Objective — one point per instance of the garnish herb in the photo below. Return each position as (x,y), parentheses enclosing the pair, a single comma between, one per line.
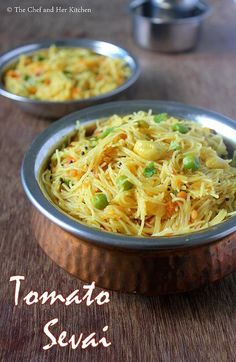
(158,118)
(175,146)
(150,170)
(107,132)
(180,127)
(67,182)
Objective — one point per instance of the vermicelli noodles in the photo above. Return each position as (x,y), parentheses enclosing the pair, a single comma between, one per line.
(63,74)
(145,175)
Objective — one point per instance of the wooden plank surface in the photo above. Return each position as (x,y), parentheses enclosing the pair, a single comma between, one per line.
(197,326)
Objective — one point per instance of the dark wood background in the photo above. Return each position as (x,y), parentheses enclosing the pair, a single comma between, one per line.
(197,326)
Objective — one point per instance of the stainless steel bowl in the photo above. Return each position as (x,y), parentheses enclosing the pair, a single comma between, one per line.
(51,109)
(166,30)
(45,144)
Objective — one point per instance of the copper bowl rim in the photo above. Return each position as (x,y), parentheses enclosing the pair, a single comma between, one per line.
(43,146)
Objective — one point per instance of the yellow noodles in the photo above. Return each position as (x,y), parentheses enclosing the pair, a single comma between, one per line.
(62,74)
(144,174)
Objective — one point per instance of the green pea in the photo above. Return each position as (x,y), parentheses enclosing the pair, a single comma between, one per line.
(175,146)
(26,77)
(191,162)
(158,118)
(67,73)
(99,201)
(124,184)
(40,57)
(150,170)
(180,127)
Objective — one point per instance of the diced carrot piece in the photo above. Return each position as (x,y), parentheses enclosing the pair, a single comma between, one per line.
(75,91)
(13,74)
(32,90)
(47,81)
(74,173)
(38,71)
(120,80)
(99,77)
(178,183)
(90,64)
(182,195)
(170,208)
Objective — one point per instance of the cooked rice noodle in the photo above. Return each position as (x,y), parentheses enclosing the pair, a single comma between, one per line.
(62,74)
(165,198)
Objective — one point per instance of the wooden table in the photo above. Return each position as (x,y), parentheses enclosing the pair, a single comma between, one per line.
(197,326)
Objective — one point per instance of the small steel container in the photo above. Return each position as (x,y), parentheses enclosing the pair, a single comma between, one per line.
(151,266)
(166,30)
(56,109)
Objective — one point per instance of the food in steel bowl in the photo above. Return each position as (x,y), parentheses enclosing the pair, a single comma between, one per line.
(52,108)
(64,74)
(143,174)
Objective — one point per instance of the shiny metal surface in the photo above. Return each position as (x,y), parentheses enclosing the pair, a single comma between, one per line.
(166,30)
(149,272)
(50,109)
(183,5)
(45,144)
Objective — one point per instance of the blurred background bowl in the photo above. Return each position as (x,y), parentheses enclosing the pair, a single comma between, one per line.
(56,109)
(168,30)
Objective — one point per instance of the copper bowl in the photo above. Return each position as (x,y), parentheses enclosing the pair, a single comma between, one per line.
(151,266)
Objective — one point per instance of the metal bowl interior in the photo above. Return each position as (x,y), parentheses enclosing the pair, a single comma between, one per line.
(144,9)
(41,149)
(58,108)
(183,5)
